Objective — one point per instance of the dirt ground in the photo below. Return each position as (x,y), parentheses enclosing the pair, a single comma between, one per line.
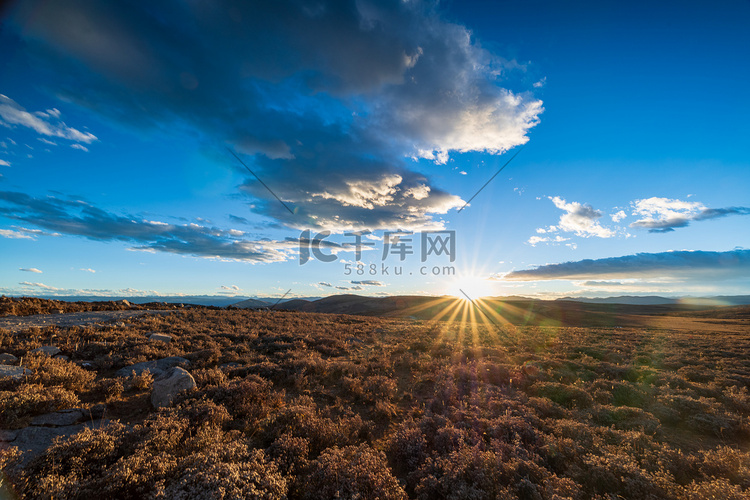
(18,323)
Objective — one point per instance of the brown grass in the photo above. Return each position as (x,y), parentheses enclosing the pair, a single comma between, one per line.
(324,406)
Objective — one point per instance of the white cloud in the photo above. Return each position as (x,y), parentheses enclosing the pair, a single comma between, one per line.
(88,270)
(30,270)
(580,219)
(38,285)
(662,215)
(234,288)
(618,216)
(18,235)
(534,240)
(4,163)
(11,113)
(78,146)
(419,192)
(366,194)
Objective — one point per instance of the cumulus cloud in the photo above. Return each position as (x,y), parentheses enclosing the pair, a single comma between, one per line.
(326,101)
(678,264)
(662,215)
(12,234)
(12,114)
(581,219)
(30,270)
(618,216)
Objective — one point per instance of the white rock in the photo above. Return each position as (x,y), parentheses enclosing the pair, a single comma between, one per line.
(169,385)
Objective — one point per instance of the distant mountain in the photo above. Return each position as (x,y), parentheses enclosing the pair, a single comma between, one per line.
(251,304)
(624,299)
(720,300)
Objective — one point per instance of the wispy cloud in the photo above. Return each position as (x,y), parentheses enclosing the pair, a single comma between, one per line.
(679,264)
(88,270)
(38,285)
(46,124)
(4,163)
(329,102)
(10,233)
(30,270)
(79,218)
(368,283)
(662,215)
(535,240)
(325,283)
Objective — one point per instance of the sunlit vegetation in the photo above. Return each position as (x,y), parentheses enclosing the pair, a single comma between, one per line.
(316,406)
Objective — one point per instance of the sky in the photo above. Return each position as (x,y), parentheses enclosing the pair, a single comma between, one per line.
(311,148)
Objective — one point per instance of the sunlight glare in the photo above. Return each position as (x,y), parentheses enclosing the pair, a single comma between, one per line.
(474,287)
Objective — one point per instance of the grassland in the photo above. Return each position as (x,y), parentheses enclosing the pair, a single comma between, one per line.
(320,406)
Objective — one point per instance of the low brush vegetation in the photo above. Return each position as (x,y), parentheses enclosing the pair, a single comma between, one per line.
(314,406)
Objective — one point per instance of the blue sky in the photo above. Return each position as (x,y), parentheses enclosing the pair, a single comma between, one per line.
(118,122)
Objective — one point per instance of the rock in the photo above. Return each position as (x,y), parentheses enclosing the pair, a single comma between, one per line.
(89,365)
(48,350)
(156,367)
(169,385)
(34,440)
(59,418)
(8,436)
(8,359)
(160,337)
(123,302)
(13,372)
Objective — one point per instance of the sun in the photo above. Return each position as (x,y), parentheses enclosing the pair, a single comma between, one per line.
(471,287)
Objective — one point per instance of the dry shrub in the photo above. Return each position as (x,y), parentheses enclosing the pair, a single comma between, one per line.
(254,478)
(28,400)
(302,418)
(58,372)
(720,489)
(352,472)
(249,400)
(110,388)
(208,377)
(290,453)
(565,395)
(140,382)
